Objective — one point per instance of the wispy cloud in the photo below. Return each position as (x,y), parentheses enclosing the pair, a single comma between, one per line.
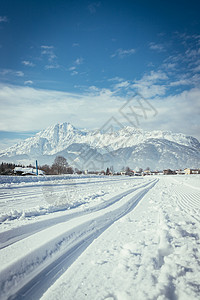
(78,61)
(19,73)
(92,7)
(122,84)
(9,72)
(53,66)
(118,79)
(49,53)
(3,19)
(76,64)
(121,53)
(156,47)
(47,47)
(75,45)
(187,79)
(180,82)
(28,82)
(189,55)
(28,63)
(72,68)
(153,77)
(197,69)
(151,85)
(74,73)
(192,53)
(169,66)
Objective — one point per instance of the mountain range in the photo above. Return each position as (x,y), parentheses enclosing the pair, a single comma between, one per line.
(97,150)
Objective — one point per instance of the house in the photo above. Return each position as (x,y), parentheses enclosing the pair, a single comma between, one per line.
(155,173)
(179,172)
(191,171)
(123,172)
(27,171)
(137,174)
(147,172)
(168,172)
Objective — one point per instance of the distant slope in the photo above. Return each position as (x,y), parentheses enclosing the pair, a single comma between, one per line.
(97,150)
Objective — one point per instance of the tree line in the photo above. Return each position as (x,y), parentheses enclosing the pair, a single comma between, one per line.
(59,166)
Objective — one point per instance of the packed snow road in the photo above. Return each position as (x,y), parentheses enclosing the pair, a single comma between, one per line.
(100,238)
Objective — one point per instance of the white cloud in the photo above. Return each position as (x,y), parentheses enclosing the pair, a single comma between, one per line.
(118,79)
(47,47)
(192,53)
(3,19)
(29,109)
(197,69)
(72,68)
(121,53)
(187,79)
(75,45)
(48,51)
(78,61)
(74,73)
(122,84)
(28,63)
(9,72)
(180,82)
(157,47)
(93,88)
(169,66)
(28,82)
(178,113)
(19,73)
(154,77)
(151,85)
(55,66)
(150,91)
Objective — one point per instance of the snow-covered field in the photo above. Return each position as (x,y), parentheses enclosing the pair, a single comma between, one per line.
(98,238)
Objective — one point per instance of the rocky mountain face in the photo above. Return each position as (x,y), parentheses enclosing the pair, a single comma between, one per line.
(95,150)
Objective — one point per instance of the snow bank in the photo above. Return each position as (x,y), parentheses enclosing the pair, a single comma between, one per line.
(26,179)
(69,203)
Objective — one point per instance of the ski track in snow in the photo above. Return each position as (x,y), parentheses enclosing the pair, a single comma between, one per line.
(140,241)
(14,235)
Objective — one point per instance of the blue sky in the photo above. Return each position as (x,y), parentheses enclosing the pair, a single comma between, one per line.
(80,61)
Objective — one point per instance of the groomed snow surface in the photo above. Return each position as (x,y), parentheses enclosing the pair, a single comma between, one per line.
(103,237)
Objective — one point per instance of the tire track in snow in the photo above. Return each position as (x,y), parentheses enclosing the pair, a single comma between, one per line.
(16,234)
(26,277)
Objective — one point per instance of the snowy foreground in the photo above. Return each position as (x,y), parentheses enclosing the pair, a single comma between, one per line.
(100,238)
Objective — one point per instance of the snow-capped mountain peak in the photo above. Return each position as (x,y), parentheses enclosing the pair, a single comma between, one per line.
(156,148)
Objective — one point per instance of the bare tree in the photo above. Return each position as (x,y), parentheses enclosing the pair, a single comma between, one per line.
(59,165)
(69,170)
(46,169)
(128,170)
(107,171)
